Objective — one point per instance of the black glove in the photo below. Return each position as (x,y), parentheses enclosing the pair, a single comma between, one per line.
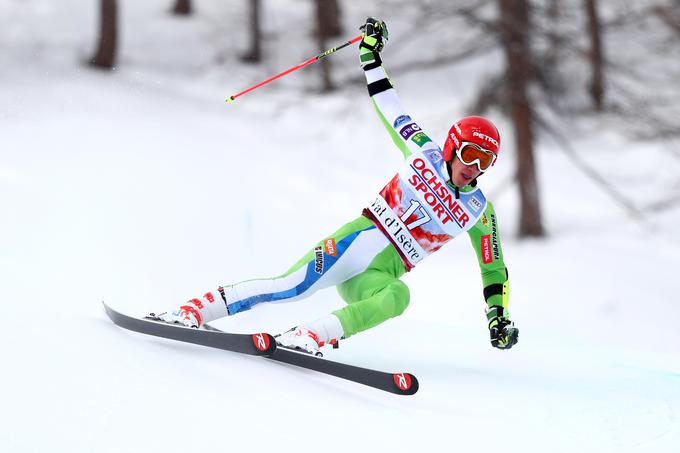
(375,37)
(502,331)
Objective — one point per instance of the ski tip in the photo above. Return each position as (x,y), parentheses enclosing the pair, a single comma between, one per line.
(405,383)
(107,309)
(264,342)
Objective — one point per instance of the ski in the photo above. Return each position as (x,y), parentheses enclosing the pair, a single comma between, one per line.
(260,344)
(397,383)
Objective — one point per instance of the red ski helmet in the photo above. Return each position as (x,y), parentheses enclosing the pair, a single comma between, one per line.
(474,129)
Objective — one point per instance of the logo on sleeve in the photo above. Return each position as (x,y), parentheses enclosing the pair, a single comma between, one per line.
(329,247)
(401,120)
(486,249)
(494,233)
(407,131)
(420,139)
(318,260)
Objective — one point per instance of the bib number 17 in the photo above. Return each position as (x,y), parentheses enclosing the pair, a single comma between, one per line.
(423,219)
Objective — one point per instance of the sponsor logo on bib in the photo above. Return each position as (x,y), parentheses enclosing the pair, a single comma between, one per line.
(475,204)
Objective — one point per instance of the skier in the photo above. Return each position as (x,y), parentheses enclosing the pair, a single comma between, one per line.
(433,198)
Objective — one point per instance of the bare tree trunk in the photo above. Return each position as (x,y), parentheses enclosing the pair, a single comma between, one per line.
(328,22)
(332,18)
(108,35)
(182,7)
(254,54)
(596,55)
(515,38)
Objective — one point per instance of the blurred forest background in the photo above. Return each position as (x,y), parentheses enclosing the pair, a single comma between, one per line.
(617,60)
(612,63)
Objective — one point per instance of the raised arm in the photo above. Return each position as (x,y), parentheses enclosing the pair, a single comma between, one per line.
(405,132)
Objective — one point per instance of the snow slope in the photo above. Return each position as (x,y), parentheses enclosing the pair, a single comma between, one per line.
(143,188)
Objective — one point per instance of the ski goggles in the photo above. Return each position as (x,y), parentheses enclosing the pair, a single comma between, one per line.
(470,153)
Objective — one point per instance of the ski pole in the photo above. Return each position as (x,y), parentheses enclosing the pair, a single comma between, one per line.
(231,98)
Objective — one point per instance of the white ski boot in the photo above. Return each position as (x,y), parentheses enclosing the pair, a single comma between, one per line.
(301,339)
(197,311)
(311,337)
(184,316)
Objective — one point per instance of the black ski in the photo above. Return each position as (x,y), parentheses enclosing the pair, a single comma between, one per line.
(398,383)
(261,344)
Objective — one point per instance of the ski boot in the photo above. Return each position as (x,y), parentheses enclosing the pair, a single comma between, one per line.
(300,339)
(185,316)
(196,312)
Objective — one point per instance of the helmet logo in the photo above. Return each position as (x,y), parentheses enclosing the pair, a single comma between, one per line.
(455,140)
(485,137)
(455,125)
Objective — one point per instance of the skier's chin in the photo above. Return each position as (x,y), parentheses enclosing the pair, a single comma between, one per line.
(462,180)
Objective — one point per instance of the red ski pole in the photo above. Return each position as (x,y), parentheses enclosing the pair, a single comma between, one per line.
(295,68)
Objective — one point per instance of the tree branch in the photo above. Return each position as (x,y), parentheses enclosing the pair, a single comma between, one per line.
(564,145)
(667,17)
(419,65)
(662,205)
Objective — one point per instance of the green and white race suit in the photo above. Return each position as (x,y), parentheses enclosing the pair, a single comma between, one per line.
(417,212)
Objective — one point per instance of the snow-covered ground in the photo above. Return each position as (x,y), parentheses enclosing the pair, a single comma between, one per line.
(143,188)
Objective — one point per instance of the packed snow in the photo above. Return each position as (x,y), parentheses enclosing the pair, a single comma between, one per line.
(141,187)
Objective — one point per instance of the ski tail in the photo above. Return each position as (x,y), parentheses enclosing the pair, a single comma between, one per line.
(260,344)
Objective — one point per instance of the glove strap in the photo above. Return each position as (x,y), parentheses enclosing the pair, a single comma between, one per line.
(370,43)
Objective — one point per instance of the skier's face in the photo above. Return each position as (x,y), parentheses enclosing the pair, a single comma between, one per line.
(461,174)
